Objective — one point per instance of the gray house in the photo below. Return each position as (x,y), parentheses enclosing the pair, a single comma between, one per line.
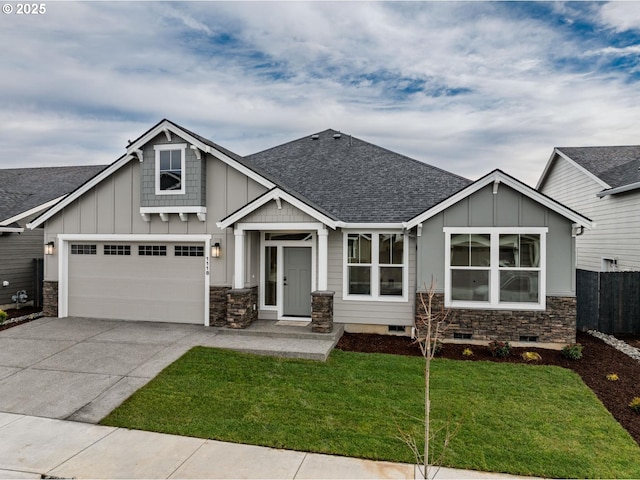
(327,228)
(24,193)
(604,184)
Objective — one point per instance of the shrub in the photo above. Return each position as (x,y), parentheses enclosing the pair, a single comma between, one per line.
(531,356)
(573,351)
(635,405)
(613,377)
(467,352)
(3,316)
(499,349)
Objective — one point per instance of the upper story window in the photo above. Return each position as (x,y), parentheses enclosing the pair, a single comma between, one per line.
(375,266)
(495,268)
(170,168)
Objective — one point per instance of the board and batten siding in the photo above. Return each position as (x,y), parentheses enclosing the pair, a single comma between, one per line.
(113,207)
(617,217)
(362,311)
(508,208)
(270,213)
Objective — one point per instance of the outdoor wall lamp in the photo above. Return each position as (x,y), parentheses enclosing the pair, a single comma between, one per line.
(48,248)
(215,250)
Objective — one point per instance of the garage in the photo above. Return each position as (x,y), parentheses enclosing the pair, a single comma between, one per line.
(151,281)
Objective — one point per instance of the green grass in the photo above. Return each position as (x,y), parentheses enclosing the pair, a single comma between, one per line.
(519,419)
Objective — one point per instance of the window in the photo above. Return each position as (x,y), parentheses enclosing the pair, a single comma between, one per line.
(495,268)
(375,266)
(117,250)
(170,168)
(189,251)
(152,250)
(83,249)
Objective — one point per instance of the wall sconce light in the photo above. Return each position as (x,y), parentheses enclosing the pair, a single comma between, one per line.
(215,250)
(48,248)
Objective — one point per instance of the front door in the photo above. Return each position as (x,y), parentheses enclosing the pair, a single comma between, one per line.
(297,282)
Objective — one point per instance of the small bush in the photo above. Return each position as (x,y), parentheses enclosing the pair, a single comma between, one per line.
(467,352)
(499,349)
(573,351)
(3,316)
(635,405)
(531,356)
(613,377)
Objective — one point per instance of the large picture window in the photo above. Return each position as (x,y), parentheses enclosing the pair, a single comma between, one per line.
(375,266)
(495,268)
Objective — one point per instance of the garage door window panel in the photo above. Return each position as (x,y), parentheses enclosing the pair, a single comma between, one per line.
(83,249)
(152,250)
(117,250)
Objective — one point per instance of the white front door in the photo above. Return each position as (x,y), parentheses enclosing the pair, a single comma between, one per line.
(296,282)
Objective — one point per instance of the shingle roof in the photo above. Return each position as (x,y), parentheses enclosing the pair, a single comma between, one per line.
(22,189)
(617,166)
(357,181)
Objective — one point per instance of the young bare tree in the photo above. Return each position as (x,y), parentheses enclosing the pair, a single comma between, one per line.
(429,327)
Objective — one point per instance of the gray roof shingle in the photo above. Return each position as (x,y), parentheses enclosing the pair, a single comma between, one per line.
(22,189)
(357,181)
(617,166)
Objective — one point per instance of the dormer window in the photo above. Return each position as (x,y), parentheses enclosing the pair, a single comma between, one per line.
(170,168)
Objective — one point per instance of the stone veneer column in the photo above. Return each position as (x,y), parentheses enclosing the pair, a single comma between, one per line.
(50,299)
(322,311)
(218,306)
(240,307)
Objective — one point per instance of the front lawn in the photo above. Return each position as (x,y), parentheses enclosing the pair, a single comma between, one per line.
(519,419)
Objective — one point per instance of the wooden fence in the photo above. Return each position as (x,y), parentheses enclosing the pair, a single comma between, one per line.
(608,301)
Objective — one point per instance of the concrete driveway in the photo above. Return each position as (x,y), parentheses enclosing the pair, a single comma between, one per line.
(81,369)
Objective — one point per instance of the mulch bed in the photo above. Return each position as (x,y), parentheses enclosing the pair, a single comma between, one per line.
(598,360)
(19,312)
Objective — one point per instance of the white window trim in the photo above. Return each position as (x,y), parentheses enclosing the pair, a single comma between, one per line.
(494,275)
(171,146)
(280,244)
(375,267)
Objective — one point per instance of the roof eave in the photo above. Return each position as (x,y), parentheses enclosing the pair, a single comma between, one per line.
(31,211)
(617,190)
(273,194)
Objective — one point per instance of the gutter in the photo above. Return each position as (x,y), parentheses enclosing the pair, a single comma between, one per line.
(614,191)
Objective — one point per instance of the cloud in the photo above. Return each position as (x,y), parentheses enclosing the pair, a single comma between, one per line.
(468,86)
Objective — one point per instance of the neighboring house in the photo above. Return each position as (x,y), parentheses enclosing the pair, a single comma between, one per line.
(24,193)
(602,183)
(326,228)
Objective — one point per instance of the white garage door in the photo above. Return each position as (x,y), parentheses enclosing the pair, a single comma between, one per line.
(159,282)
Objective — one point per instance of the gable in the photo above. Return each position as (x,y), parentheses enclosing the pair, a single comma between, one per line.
(274,213)
(479,211)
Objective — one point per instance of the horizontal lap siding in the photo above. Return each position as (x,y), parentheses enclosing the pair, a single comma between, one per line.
(17,252)
(617,231)
(364,312)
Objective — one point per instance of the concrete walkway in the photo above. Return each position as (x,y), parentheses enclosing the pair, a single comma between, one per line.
(81,369)
(31,447)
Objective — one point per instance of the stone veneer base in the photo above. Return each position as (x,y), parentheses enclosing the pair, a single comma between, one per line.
(242,307)
(50,298)
(556,324)
(218,306)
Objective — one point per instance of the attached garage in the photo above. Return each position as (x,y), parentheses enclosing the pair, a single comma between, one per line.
(138,280)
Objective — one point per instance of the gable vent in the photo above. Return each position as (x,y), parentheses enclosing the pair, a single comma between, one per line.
(315,137)
(337,135)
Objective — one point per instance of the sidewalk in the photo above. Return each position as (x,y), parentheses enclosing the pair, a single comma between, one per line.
(34,446)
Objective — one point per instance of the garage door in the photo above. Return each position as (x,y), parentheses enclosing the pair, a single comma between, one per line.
(159,282)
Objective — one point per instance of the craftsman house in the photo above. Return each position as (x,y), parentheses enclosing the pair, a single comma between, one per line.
(327,228)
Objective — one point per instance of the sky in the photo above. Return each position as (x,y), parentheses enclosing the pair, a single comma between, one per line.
(466,86)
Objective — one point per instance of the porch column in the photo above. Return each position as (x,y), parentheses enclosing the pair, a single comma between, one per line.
(323,258)
(238,274)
